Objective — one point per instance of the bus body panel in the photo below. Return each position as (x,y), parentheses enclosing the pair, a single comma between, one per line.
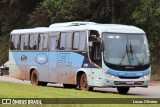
(25,60)
(97,77)
(52,75)
(68,63)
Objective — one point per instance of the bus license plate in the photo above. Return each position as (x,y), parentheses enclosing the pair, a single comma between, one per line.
(129,82)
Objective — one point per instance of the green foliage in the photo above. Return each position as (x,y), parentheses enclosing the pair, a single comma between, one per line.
(146,16)
(4,43)
(13,15)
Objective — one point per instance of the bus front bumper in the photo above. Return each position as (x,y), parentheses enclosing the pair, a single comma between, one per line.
(117,82)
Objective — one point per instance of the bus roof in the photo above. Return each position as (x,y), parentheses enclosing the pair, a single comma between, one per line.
(75,23)
(112,28)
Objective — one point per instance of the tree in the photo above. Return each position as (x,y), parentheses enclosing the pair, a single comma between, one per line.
(147,16)
(14,15)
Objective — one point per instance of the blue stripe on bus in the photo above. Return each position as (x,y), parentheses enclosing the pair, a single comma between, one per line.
(129,74)
(87,62)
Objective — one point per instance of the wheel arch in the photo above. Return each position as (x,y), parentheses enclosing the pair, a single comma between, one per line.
(30,72)
(79,74)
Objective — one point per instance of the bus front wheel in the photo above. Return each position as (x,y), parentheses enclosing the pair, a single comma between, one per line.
(123,90)
(42,83)
(83,85)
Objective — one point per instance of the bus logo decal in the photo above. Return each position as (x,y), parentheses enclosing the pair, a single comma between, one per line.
(63,59)
(41,58)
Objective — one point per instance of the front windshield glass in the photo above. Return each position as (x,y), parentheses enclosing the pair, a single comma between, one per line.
(126,49)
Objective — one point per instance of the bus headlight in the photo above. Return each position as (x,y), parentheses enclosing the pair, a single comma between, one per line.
(110,75)
(146,76)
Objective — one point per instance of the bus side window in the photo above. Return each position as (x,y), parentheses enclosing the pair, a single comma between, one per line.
(33,41)
(76,41)
(22,42)
(68,41)
(42,41)
(79,41)
(82,41)
(52,43)
(65,41)
(16,42)
(26,42)
(12,40)
(62,41)
(45,41)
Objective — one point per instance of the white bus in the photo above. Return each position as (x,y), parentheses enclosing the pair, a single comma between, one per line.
(83,54)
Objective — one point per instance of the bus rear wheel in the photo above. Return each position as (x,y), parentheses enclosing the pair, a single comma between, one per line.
(83,85)
(69,86)
(35,78)
(123,90)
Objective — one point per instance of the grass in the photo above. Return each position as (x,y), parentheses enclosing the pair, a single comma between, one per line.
(155,76)
(14,90)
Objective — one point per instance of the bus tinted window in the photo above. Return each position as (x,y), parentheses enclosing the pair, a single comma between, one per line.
(76,41)
(42,41)
(79,41)
(53,43)
(24,42)
(65,41)
(33,40)
(14,42)
(82,40)
(12,47)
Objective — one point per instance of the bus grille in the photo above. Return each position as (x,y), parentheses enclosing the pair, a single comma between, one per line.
(128,83)
(129,77)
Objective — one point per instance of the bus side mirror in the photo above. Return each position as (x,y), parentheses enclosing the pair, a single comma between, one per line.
(101,46)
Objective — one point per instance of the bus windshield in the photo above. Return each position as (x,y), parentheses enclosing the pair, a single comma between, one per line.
(126,49)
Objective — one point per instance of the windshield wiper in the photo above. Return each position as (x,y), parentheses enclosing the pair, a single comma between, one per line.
(125,54)
(133,53)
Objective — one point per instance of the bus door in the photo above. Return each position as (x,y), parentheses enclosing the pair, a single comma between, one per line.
(95,56)
(53,44)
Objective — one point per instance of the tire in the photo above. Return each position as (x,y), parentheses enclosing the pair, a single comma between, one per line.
(123,90)
(69,86)
(83,85)
(35,78)
(1,74)
(42,83)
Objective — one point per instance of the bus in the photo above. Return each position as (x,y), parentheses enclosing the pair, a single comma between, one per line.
(81,55)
